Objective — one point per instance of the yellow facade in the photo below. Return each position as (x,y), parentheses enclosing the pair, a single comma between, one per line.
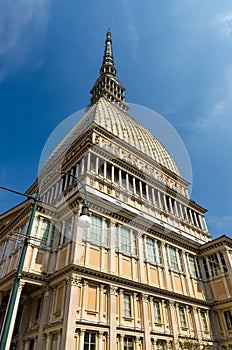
(145,276)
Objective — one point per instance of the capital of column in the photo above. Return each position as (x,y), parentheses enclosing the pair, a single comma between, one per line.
(82,332)
(73,280)
(120,291)
(100,334)
(144,297)
(21,285)
(172,304)
(47,291)
(113,290)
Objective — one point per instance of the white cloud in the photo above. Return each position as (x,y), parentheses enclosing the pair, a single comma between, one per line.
(223,23)
(22,24)
(132,31)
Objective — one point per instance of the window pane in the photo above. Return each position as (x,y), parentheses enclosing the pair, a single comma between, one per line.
(127,305)
(228,319)
(183,322)
(157,315)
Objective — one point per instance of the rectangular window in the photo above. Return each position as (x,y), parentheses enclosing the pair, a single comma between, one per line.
(67,230)
(89,341)
(174,259)
(152,250)
(44,230)
(98,233)
(126,240)
(228,319)
(127,305)
(128,343)
(204,321)
(182,316)
(157,315)
(214,265)
(192,266)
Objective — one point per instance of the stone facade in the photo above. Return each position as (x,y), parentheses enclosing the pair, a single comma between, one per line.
(146,275)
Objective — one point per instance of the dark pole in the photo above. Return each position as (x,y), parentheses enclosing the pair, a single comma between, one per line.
(13,295)
(14,291)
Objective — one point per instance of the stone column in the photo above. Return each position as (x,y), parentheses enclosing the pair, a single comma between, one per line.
(81,339)
(152,312)
(121,304)
(84,297)
(48,341)
(43,319)
(101,296)
(121,342)
(197,323)
(27,343)
(146,326)
(112,316)
(164,315)
(137,347)
(173,322)
(135,310)
(69,315)
(100,335)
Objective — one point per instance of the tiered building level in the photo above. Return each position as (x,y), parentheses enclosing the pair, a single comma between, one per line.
(146,275)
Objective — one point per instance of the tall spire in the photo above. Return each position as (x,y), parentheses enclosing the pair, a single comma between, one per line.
(108,60)
(107,85)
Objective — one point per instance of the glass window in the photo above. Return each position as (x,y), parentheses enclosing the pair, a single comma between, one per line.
(67,233)
(127,305)
(98,232)
(192,266)
(224,267)
(157,315)
(204,321)
(175,259)
(214,265)
(152,250)
(89,341)
(182,316)
(228,319)
(128,343)
(126,240)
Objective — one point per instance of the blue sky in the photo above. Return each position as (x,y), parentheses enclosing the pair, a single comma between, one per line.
(173,56)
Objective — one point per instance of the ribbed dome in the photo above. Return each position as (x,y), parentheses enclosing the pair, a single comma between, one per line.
(115,120)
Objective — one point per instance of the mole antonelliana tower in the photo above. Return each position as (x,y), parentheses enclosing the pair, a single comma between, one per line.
(145,275)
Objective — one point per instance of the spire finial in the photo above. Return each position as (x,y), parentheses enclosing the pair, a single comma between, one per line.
(108,60)
(107,85)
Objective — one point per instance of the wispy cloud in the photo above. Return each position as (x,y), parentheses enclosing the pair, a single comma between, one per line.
(132,29)
(22,24)
(223,23)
